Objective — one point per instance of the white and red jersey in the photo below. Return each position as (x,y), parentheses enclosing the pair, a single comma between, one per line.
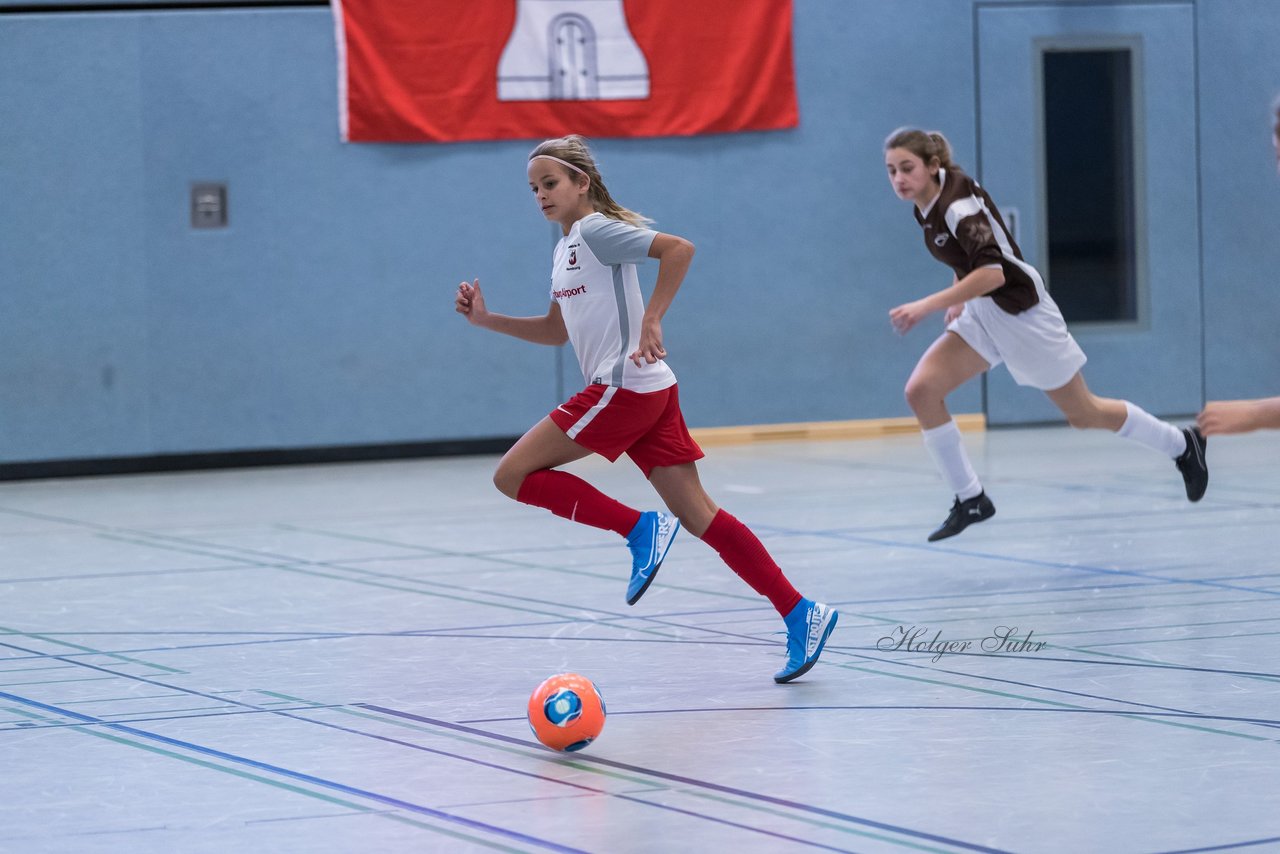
(594,281)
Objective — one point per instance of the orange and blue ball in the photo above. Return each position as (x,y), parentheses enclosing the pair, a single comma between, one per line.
(566,712)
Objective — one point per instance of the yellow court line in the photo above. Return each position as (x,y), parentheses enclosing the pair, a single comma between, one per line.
(872,428)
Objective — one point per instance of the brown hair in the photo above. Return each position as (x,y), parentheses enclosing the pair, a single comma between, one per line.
(573,149)
(925,144)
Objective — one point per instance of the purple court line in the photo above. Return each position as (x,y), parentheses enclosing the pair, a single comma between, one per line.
(593,790)
(88,720)
(689,781)
(903,708)
(297,775)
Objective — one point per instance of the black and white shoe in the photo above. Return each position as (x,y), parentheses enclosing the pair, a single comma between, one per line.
(1192,464)
(965,513)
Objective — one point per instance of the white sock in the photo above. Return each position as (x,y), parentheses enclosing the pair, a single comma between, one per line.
(947,449)
(1141,426)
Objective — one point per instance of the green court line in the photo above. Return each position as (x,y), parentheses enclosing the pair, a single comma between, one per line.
(235,772)
(30,669)
(562,570)
(291,563)
(1057,703)
(428,551)
(189,547)
(644,782)
(57,681)
(1160,664)
(287,698)
(438,595)
(69,644)
(175,712)
(1141,605)
(1168,626)
(124,699)
(1179,640)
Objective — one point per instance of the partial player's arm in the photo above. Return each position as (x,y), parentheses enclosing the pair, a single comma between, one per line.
(954,311)
(974,234)
(981,281)
(1239,416)
(674,255)
(548,329)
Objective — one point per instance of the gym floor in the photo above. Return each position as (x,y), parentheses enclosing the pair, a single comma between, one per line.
(337,659)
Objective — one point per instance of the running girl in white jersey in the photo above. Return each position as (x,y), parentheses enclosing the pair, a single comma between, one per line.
(997,310)
(630,404)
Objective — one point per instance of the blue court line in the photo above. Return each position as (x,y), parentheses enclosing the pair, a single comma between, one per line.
(298,775)
(1226,846)
(690,781)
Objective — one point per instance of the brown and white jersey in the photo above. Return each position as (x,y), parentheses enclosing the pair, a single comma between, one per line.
(964,230)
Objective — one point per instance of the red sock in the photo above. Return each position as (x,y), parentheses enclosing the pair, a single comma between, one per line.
(747,556)
(572,498)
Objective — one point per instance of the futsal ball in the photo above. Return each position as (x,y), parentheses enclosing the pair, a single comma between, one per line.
(566,712)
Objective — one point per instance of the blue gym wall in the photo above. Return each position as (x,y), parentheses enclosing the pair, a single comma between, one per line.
(323,314)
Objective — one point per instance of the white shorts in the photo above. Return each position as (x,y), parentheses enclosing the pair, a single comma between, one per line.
(1035,345)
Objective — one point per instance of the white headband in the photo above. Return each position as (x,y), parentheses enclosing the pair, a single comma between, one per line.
(558,160)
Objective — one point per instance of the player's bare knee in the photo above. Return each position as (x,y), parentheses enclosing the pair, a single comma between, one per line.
(920,394)
(508,480)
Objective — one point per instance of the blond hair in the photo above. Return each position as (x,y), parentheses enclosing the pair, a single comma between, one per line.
(574,151)
(925,144)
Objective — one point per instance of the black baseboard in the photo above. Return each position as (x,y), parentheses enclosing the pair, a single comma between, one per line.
(94,467)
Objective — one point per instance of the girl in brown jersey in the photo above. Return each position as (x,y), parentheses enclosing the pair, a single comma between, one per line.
(1220,417)
(997,310)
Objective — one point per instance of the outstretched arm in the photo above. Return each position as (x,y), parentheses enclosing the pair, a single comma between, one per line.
(674,255)
(981,281)
(548,329)
(1239,416)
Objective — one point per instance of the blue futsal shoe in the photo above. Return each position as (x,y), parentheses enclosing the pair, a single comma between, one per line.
(649,541)
(808,626)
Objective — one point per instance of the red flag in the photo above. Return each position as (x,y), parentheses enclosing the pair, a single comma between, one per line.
(455,70)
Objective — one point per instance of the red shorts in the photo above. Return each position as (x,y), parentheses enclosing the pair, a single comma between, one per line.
(647,427)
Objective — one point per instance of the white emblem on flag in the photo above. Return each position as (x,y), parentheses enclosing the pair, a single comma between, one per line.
(571,50)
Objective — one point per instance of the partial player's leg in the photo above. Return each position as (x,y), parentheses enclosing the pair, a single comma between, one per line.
(527,473)
(1186,447)
(808,623)
(948,364)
